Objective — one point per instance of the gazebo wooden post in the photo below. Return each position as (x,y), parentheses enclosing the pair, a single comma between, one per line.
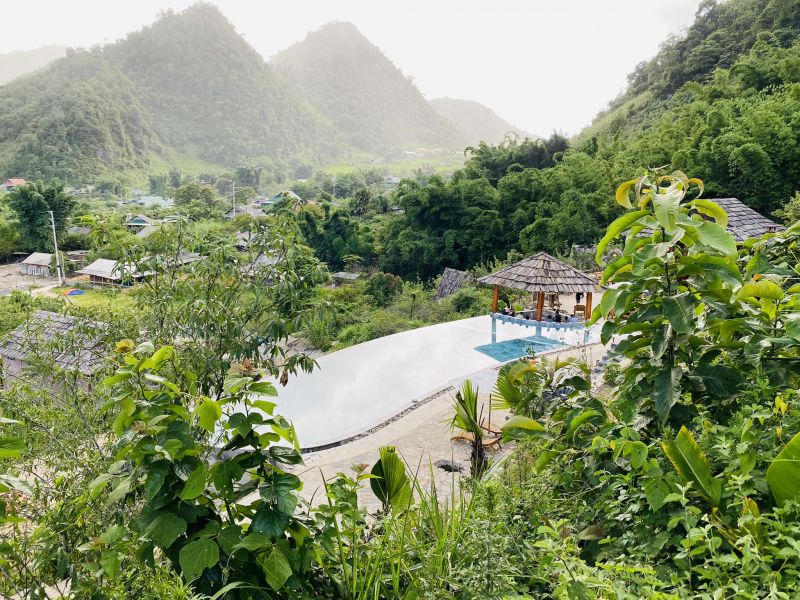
(539,305)
(588,306)
(495,298)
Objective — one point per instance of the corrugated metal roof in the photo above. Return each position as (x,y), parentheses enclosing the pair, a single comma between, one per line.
(39,258)
(543,273)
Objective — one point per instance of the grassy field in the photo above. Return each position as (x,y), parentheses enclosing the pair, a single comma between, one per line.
(112,298)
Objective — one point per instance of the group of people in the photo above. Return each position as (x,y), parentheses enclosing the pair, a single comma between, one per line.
(556,317)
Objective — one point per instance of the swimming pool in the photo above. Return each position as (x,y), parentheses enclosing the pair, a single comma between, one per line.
(360,387)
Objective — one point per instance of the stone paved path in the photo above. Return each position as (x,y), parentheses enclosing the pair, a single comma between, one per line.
(422,437)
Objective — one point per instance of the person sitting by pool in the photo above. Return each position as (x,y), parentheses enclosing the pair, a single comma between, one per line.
(558,318)
(573,319)
(507,310)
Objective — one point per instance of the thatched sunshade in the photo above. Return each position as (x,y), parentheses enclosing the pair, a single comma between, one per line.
(544,274)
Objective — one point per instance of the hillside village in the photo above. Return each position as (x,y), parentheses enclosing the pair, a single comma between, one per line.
(312,335)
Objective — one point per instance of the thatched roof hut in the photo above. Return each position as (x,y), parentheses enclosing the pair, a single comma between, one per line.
(544,274)
(452,281)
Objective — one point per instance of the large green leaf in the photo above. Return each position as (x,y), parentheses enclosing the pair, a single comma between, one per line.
(165,529)
(195,484)
(520,426)
(390,483)
(692,465)
(276,569)
(783,474)
(666,390)
(720,380)
(11,447)
(713,210)
(618,226)
(270,521)
(679,311)
(763,288)
(208,412)
(197,556)
(622,195)
(666,207)
(717,237)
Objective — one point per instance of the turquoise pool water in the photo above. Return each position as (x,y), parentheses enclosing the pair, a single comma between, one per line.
(513,349)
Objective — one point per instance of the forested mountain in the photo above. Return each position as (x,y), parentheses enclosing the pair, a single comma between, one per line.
(368,99)
(211,93)
(16,64)
(477,122)
(732,123)
(79,117)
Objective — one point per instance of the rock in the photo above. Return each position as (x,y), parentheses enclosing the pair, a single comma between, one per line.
(449,466)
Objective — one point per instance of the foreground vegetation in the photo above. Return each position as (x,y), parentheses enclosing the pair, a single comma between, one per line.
(674,480)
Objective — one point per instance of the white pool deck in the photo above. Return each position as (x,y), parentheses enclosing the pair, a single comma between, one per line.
(361,387)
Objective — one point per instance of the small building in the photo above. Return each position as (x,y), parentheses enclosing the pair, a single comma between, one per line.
(255,269)
(37,264)
(10,184)
(452,281)
(343,277)
(79,230)
(392,180)
(745,223)
(254,212)
(78,257)
(139,221)
(144,200)
(243,240)
(111,272)
(71,343)
(146,231)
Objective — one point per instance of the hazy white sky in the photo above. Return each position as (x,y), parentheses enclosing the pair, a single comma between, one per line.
(543,65)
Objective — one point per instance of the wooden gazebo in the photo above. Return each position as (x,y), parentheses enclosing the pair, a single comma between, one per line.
(543,274)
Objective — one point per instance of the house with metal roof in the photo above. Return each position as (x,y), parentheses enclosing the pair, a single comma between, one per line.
(50,338)
(139,221)
(37,264)
(10,184)
(111,272)
(254,212)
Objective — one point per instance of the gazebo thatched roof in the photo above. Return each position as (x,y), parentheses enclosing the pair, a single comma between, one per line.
(543,273)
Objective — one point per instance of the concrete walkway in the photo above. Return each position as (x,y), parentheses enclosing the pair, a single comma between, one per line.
(422,437)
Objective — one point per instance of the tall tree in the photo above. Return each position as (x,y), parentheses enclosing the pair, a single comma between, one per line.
(31,204)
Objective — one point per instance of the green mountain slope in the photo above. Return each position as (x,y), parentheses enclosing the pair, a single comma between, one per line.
(78,117)
(369,100)
(211,93)
(478,123)
(722,33)
(16,64)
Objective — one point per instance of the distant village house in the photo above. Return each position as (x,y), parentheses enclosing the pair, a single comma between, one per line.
(71,343)
(10,184)
(37,264)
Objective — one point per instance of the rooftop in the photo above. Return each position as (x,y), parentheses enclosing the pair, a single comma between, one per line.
(73,343)
(39,258)
(543,273)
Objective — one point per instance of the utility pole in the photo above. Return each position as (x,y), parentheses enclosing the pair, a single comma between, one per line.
(233,193)
(55,245)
